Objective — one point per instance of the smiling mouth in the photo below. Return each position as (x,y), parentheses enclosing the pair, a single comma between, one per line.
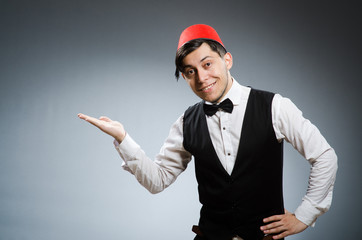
(207,88)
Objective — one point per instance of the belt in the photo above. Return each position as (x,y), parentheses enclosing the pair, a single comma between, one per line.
(197,230)
(237,238)
(268,237)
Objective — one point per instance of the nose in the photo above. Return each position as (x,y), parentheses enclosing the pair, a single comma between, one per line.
(202,75)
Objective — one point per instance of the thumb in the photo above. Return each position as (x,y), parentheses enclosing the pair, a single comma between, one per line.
(106,119)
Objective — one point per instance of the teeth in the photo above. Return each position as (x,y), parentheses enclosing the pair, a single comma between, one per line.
(208,87)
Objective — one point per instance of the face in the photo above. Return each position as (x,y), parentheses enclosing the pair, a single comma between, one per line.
(207,73)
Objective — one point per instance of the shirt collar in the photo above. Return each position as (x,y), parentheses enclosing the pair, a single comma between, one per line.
(236,93)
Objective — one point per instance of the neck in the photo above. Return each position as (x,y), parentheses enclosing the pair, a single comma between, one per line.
(226,89)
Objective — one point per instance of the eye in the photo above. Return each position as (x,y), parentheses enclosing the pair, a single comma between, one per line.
(208,64)
(190,72)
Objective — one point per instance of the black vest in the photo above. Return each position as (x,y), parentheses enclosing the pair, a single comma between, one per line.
(237,203)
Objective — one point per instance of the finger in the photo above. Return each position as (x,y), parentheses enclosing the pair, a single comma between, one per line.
(281,235)
(92,120)
(273,218)
(81,116)
(106,119)
(277,229)
(271,226)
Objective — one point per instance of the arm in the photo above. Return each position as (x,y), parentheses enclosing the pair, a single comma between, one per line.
(153,175)
(289,124)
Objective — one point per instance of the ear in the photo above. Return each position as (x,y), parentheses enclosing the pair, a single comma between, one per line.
(183,75)
(228,58)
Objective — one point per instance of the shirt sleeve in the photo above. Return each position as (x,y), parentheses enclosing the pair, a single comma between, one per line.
(155,175)
(289,124)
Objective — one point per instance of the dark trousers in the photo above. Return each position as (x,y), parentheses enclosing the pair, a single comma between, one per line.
(199,235)
(269,237)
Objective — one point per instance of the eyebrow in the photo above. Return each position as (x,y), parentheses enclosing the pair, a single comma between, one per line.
(200,61)
(205,58)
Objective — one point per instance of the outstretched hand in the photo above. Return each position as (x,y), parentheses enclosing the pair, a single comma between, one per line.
(112,128)
(283,225)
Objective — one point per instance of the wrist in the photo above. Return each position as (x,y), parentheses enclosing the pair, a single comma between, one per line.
(121,137)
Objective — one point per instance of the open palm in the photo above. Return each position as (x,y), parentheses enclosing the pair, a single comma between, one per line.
(112,128)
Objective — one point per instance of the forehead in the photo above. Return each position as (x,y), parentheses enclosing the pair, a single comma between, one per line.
(200,54)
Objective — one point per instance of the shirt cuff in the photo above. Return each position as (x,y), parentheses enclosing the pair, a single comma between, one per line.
(127,149)
(307,213)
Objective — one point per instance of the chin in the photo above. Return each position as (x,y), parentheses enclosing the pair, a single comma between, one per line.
(211,97)
(208,99)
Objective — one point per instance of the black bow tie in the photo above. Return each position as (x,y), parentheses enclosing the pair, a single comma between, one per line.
(226,105)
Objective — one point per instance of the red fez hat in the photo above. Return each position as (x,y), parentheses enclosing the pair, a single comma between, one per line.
(198,31)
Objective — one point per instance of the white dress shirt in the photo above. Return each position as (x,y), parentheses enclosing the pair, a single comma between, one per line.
(225,130)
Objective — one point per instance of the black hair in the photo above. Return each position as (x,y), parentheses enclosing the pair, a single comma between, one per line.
(191,46)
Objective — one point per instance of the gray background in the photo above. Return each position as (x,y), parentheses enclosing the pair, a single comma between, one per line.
(60,178)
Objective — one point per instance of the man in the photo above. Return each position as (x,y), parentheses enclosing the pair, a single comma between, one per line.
(235,135)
